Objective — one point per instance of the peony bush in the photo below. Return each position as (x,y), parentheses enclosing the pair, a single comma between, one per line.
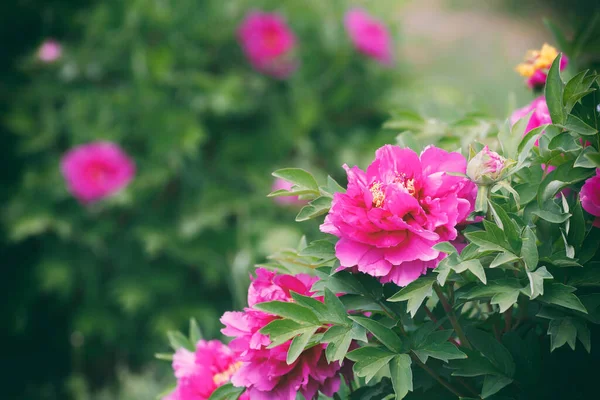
(442,274)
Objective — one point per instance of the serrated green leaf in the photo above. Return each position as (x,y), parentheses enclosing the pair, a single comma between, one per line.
(323,249)
(554,92)
(474,266)
(442,351)
(401,373)
(299,177)
(536,281)
(369,360)
(562,295)
(315,208)
(336,307)
(298,344)
(507,224)
(315,305)
(583,334)
(503,258)
(445,247)
(289,310)
(483,241)
(339,340)
(495,352)
(505,300)
(492,384)
(576,125)
(562,331)
(552,217)
(385,335)
(529,251)
(415,292)
(282,330)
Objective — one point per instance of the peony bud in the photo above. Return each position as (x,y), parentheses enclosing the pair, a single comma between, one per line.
(486,167)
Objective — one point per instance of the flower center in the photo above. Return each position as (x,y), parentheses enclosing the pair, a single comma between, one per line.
(224,377)
(407,184)
(378,196)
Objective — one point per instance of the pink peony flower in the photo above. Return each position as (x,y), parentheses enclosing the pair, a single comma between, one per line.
(486,167)
(369,35)
(394,213)
(286,200)
(590,197)
(268,44)
(201,372)
(96,170)
(540,116)
(265,372)
(50,51)
(537,63)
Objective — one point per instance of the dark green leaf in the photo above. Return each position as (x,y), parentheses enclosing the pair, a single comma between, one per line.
(505,300)
(562,295)
(415,292)
(474,266)
(562,331)
(529,251)
(444,351)
(282,330)
(536,281)
(369,360)
(177,340)
(315,305)
(552,217)
(503,258)
(195,332)
(498,355)
(315,208)
(576,125)
(323,249)
(227,392)
(507,225)
(339,339)
(492,384)
(445,247)
(385,335)
(289,310)
(401,373)
(299,177)
(298,344)
(335,307)
(554,92)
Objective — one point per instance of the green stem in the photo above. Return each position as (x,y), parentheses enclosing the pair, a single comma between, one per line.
(452,317)
(481,203)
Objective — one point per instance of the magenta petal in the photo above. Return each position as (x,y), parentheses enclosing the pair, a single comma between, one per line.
(438,160)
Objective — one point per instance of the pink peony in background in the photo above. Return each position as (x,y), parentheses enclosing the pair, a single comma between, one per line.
(537,64)
(394,213)
(540,115)
(201,372)
(280,184)
(96,170)
(264,372)
(268,43)
(369,35)
(590,197)
(50,51)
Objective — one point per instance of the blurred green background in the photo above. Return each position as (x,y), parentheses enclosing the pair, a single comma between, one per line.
(89,292)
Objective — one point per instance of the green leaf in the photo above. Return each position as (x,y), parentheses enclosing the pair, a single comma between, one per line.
(322,249)
(384,334)
(576,125)
(474,266)
(289,310)
(583,161)
(195,332)
(415,292)
(339,339)
(379,391)
(315,208)
(483,241)
(333,186)
(493,288)
(444,351)
(282,330)
(227,392)
(401,373)
(536,281)
(529,251)
(299,177)
(594,158)
(315,305)
(562,331)
(164,356)
(503,258)
(552,217)
(492,384)
(505,300)
(507,224)
(445,247)
(562,295)
(178,340)
(498,355)
(336,307)
(369,360)
(474,365)
(298,344)
(583,334)
(554,92)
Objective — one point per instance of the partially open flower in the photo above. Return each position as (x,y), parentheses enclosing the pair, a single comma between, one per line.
(537,63)
(486,167)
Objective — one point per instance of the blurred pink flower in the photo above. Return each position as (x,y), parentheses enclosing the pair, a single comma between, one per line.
(540,115)
(393,214)
(96,170)
(201,372)
(369,35)
(590,197)
(265,372)
(50,51)
(280,184)
(268,43)
(537,63)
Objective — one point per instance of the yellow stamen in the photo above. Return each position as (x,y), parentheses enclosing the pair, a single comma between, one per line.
(378,196)
(224,377)
(536,60)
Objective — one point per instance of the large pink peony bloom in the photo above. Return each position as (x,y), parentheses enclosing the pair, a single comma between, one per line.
(369,35)
(540,115)
(590,197)
(50,51)
(96,170)
(268,44)
(201,372)
(264,371)
(394,213)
